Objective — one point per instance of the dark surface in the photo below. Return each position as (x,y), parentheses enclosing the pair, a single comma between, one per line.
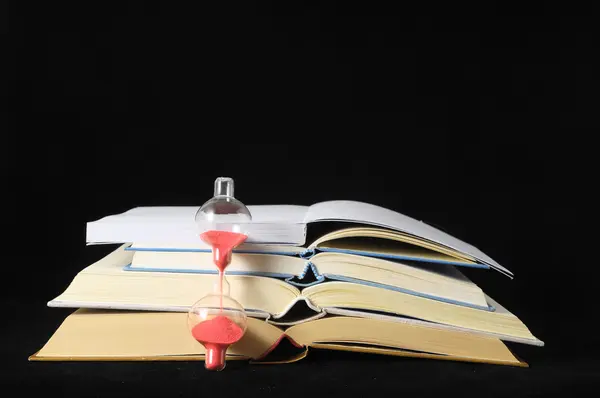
(478,121)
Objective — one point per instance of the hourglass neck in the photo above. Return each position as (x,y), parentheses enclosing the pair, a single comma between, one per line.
(221,285)
(223,187)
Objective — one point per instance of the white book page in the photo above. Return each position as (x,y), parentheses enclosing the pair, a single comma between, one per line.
(292,214)
(275,224)
(365,213)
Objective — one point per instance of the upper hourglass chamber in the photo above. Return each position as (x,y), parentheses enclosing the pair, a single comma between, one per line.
(223,211)
(221,222)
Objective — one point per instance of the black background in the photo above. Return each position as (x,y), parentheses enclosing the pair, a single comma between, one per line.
(478,120)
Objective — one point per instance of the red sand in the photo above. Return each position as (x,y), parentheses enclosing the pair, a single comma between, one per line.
(217,335)
(222,242)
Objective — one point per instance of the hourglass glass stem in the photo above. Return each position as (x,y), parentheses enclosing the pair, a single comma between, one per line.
(222,243)
(221,275)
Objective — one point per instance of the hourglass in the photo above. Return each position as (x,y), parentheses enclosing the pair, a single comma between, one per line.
(217,320)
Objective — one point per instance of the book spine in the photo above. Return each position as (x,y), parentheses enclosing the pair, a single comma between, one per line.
(307,253)
(308,277)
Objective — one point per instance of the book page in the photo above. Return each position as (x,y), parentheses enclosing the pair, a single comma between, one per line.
(415,321)
(365,213)
(278,266)
(106,284)
(388,239)
(382,333)
(97,334)
(367,298)
(275,224)
(433,281)
(354,347)
(260,213)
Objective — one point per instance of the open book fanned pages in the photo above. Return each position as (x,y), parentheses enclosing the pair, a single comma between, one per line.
(88,335)
(338,275)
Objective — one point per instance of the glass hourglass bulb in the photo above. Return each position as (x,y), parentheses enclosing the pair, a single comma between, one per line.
(217,321)
(223,211)
(220,222)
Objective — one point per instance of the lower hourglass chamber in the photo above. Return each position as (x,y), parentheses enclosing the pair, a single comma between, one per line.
(217,321)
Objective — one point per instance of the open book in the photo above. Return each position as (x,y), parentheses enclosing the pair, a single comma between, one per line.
(106,284)
(97,335)
(435,281)
(332,226)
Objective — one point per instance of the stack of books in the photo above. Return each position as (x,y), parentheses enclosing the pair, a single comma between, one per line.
(337,275)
